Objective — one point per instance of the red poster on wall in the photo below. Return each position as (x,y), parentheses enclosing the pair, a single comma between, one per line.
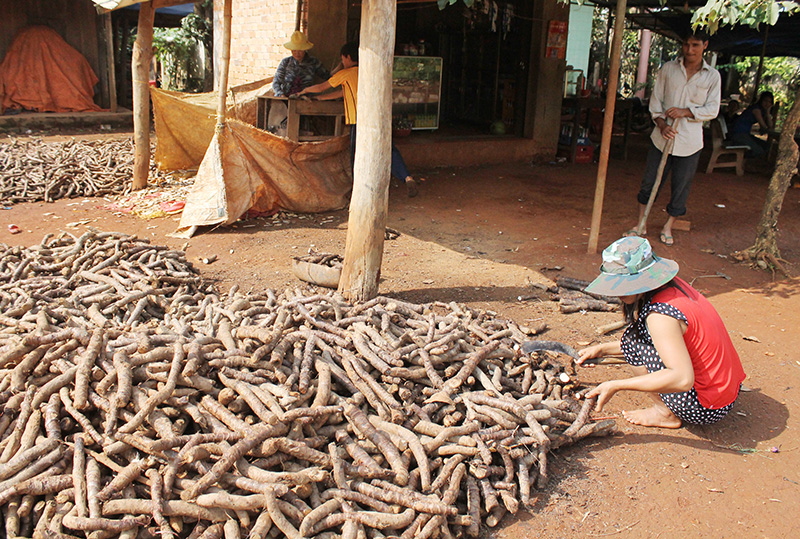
(556,40)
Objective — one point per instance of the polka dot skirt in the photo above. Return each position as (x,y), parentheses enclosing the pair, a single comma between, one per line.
(639,351)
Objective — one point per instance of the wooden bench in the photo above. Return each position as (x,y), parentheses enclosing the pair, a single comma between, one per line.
(720,148)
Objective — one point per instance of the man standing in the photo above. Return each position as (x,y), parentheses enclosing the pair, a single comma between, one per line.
(346,79)
(686,93)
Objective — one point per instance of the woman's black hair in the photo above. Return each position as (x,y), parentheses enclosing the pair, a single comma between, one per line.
(634,310)
(765,95)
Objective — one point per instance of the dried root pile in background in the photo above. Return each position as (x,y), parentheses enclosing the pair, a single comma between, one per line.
(138,401)
(35,170)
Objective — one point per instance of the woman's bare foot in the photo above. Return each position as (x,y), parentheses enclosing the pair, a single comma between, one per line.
(655,416)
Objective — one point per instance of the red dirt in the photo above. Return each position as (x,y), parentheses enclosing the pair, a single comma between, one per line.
(479,236)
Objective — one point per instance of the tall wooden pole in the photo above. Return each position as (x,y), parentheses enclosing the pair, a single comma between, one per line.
(368,204)
(110,64)
(225,62)
(608,124)
(140,72)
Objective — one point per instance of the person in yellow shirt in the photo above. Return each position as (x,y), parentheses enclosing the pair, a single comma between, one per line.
(345,80)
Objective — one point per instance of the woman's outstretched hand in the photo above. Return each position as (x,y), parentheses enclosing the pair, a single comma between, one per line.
(591,352)
(603,392)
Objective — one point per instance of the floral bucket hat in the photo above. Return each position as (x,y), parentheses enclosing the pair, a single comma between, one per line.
(630,267)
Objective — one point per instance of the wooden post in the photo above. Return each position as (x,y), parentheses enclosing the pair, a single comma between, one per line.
(368,204)
(112,76)
(122,59)
(140,76)
(298,19)
(224,63)
(608,124)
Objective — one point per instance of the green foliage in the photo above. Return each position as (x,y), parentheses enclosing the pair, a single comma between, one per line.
(746,12)
(199,28)
(661,50)
(176,49)
(444,3)
(780,75)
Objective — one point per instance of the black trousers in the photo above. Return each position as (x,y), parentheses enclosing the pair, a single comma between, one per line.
(682,171)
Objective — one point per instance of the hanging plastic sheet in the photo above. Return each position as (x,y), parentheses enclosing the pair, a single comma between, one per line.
(247,169)
(185,122)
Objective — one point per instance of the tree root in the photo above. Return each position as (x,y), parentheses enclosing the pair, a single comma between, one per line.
(760,258)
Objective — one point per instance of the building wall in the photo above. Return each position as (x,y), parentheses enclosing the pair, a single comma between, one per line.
(327,29)
(546,83)
(259,28)
(579,40)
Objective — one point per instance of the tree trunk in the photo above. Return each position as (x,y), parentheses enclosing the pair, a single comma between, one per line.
(140,71)
(368,205)
(766,246)
(208,46)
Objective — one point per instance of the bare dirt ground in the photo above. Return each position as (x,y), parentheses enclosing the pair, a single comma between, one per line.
(480,236)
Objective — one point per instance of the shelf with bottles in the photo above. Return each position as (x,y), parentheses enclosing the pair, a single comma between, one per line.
(416,90)
(415,120)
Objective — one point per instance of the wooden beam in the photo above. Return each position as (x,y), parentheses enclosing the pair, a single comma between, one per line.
(140,72)
(368,204)
(168,3)
(608,124)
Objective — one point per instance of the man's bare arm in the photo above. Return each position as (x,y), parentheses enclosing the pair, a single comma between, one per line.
(331,95)
(315,89)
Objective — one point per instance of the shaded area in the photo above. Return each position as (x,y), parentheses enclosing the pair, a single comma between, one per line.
(43,73)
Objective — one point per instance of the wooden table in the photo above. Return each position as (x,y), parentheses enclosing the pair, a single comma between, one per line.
(582,105)
(298,107)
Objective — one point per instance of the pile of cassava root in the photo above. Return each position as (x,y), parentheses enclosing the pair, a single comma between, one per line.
(35,170)
(137,402)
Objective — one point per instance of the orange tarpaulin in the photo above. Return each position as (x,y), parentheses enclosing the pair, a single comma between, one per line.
(41,72)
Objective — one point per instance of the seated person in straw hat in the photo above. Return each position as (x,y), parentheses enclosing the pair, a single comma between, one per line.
(680,351)
(297,71)
(294,73)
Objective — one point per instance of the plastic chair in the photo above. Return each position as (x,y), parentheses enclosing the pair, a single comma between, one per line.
(720,149)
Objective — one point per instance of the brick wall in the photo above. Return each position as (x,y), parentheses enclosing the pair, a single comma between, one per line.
(259,28)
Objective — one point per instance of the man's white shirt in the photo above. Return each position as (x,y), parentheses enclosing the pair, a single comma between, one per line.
(701,94)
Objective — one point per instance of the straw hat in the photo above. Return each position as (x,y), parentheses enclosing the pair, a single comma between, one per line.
(298,42)
(630,267)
